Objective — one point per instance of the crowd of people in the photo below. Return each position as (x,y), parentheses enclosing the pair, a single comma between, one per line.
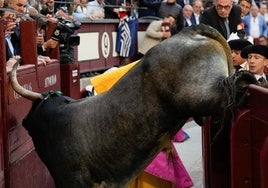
(244,19)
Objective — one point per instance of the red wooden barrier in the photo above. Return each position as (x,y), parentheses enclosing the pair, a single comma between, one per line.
(70,80)
(241,170)
(3,101)
(244,157)
(264,164)
(23,168)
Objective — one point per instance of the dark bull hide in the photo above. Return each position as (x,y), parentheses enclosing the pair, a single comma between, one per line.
(107,140)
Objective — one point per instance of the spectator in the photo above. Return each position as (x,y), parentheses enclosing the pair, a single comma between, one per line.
(111,9)
(62,12)
(30,9)
(245,7)
(2,3)
(50,9)
(257,57)
(235,2)
(182,3)
(95,9)
(13,36)
(10,19)
(237,46)
(255,24)
(226,17)
(157,31)
(80,9)
(169,7)
(263,11)
(39,5)
(208,4)
(151,9)
(187,13)
(262,40)
(197,11)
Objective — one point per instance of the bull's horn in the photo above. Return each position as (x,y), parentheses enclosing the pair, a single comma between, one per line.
(19,89)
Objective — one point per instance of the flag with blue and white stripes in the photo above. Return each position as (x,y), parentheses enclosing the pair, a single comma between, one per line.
(126,36)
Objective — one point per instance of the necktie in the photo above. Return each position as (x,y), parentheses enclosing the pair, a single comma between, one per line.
(226,23)
(261,80)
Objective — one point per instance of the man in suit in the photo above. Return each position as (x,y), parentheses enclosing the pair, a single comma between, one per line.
(197,12)
(187,13)
(223,16)
(17,5)
(257,57)
(182,3)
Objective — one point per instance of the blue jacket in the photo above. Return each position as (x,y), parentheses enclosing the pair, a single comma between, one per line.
(262,24)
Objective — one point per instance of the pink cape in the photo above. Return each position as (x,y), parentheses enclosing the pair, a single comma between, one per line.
(171,170)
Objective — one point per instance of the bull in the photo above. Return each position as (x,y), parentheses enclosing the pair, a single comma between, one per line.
(108,139)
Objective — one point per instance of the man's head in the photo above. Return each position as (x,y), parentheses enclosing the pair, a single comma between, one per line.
(254,10)
(223,7)
(257,57)
(170,19)
(245,6)
(171,2)
(187,11)
(1,3)
(197,6)
(262,40)
(50,3)
(237,46)
(18,5)
(263,9)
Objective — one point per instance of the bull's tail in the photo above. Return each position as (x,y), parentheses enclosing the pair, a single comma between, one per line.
(212,33)
(19,89)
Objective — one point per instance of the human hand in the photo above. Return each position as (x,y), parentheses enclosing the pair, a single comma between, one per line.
(166,35)
(40,39)
(9,27)
(50,44)
(10,22)
(43,60)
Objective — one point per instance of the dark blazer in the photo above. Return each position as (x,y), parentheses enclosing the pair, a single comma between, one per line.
(193,19)
(15,40)
(182,4)
(185,24)
(211,17)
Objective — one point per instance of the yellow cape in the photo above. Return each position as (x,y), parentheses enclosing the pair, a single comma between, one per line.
(105,81)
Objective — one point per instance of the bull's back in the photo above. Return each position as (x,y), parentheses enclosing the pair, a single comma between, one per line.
(213,34)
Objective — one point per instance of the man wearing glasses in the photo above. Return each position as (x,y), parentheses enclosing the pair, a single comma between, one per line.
(223,16)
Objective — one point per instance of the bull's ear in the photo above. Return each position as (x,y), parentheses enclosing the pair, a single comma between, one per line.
(242,80)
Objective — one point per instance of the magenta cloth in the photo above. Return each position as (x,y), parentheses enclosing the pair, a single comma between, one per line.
(181,136)
(171,170)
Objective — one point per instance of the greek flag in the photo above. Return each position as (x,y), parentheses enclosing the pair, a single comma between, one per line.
(126,36)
